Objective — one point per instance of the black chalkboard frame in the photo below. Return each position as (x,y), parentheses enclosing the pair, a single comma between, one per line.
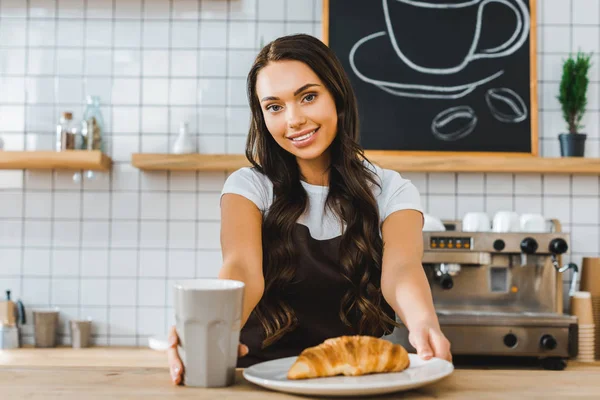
(533,101)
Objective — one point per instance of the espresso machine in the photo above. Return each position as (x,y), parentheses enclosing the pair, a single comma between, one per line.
(500,294)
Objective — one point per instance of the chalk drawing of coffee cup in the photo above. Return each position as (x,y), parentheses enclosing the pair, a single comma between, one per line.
(454,123)
(455,44)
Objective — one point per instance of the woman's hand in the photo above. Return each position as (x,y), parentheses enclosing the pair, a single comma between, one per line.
(175,364)
(429,341)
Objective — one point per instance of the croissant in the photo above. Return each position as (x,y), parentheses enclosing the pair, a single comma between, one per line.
(350,356)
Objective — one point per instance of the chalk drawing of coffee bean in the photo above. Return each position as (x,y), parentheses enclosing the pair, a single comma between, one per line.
(505,105)
(454,123)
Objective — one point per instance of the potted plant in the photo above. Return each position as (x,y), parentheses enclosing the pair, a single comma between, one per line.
(573,100)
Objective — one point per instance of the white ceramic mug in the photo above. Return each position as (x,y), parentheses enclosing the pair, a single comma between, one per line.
(533,223)
(506,221)
(432,224)
(476,221)
(208,316)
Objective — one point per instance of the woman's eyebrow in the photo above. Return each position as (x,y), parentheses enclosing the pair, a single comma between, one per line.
(299,90)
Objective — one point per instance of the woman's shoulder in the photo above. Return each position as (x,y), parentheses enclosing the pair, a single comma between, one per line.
(394,192)
(252,184)
(387,179)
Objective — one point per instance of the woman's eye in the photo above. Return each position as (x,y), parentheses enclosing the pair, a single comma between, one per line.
(274,107)
(310,97)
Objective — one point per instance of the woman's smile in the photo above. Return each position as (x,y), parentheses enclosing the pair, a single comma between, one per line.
(302,139)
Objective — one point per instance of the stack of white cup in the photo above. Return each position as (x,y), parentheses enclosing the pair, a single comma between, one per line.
(504,221)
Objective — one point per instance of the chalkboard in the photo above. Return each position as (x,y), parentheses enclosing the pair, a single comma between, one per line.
(437,76)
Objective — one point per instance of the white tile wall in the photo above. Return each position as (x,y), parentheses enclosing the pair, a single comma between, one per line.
(111,247)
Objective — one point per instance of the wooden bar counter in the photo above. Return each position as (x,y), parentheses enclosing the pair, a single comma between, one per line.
(141,373)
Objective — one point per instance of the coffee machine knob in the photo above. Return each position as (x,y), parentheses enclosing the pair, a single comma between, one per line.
(529,245)
(548,342)
(558,246)
(510,340)
(499,244)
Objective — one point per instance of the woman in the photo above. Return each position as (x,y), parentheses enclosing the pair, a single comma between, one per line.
(326,243)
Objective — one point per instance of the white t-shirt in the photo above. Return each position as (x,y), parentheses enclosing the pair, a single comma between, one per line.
(396,193)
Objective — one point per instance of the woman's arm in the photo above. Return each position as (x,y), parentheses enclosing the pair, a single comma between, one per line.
(404,284)
(241,244)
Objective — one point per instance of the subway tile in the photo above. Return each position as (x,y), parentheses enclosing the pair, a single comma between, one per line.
(185,9)
(123,263)
(182,234)
(213,34)
(66,233)
(442,183)
(11,262)
(557,207)
(153,234)
(184,34)
(151,292)
(155,120)
(36,291)
(470,183)
(11,204)
(243,10)
(153,263)
(65,262)
(213,9)
(122,321)
(157,9)
(466,204)
(181,263)
(124,234)
(127,34)
(557,12)
(94,291)
(151,322)
(208,263)
(586,210)
(38,233)
(69,33)
(153,180)
(94,263)
(65,292)
(122,292)
(184,63)
(125,9)
(36,262)
(241,35)
(299,10)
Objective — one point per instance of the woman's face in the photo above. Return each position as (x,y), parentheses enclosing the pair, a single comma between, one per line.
(298,109)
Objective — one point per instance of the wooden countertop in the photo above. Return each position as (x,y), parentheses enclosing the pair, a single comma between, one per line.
(141,373)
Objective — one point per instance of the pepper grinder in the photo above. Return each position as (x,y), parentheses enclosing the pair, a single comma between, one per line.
(9,328)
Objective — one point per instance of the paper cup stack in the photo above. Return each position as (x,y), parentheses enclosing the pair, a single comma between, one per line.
(590,282)
(581,306)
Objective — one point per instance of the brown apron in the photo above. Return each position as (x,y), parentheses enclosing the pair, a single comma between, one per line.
(315,297)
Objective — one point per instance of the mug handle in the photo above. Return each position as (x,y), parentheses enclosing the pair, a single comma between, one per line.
(517,38)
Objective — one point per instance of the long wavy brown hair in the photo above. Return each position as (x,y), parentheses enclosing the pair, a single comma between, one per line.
(349,197)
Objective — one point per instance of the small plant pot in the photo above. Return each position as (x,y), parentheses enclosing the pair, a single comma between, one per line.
(572,144)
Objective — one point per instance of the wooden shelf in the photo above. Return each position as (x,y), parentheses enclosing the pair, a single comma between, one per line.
(402,163)
(71,159)
(188,162)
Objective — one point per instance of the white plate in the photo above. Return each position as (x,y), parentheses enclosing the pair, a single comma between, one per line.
(273,375)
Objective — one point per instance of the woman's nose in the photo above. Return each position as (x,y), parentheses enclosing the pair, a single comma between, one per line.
(295,118)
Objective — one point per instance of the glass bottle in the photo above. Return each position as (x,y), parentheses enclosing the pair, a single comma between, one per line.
(92,125)
(66,133)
